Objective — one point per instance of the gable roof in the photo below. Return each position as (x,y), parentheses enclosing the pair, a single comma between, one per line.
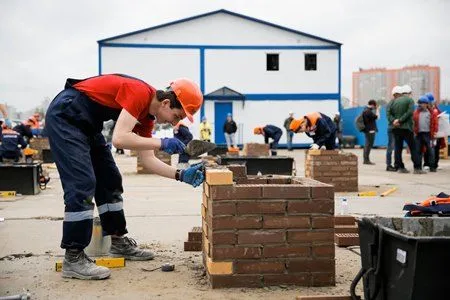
(213,13)
(224,93)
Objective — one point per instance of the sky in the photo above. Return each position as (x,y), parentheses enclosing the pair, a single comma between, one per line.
(43,42)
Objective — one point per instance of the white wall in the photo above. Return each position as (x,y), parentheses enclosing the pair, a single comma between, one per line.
(220,29)
(158,67)
(245,71)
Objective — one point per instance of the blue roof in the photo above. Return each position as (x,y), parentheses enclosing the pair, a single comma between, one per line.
(213,13)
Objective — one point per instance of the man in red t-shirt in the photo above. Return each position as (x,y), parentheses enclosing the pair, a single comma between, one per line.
(87,169)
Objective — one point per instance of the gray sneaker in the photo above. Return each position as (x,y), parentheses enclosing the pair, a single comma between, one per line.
(402,170)
(127,247)
(78,265)
(419,171)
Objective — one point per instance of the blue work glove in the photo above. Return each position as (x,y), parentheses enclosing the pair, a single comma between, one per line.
(172,145)
(193,175)
(8,123)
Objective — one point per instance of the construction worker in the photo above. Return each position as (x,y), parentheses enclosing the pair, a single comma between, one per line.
(181,132)
(7,121)
(24,129)
(396,93)
(438,143)
(270,131)
(319,127)
(11,145)
(205,130)
(74,122)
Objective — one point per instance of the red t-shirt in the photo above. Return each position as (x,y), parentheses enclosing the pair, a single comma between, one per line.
(121,92)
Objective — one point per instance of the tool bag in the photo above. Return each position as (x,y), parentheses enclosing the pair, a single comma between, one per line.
(359,123)
(436,205)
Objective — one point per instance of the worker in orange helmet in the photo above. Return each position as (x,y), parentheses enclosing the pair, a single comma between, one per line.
(319,127)
(270,131)
(74,122)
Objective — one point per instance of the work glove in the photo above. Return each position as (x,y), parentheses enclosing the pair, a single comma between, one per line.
(314,147)
(8,123)
(172,146)
(323,148)
(193,175)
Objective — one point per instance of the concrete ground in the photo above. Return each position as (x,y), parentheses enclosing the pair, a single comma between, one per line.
(159,213)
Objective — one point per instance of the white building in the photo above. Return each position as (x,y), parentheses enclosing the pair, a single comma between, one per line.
(254,69)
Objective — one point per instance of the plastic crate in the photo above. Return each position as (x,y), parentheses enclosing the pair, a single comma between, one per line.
(404,258)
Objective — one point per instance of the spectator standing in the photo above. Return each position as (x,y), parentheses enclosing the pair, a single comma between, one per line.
(370,116)
(339,128)
(229,129)
(289,132)
(396,93)
(205,130)
(438,143)
(425,128)
(400,116)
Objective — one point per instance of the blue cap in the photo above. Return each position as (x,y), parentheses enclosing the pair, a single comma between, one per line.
(203,118)
(423,99)
(430,97)
(229,114)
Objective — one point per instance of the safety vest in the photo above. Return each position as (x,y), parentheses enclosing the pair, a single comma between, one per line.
(312,117)
(439,205)
(205,131)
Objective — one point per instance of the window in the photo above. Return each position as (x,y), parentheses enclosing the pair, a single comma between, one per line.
(310,62)
(273,62)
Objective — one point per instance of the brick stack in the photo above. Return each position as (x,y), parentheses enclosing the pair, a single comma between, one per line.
(333,167)
(39,144)
(255,149)
(194,242)
(161,155)
(346,231)
(267,231)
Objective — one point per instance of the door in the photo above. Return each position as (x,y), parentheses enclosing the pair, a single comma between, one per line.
(221,109)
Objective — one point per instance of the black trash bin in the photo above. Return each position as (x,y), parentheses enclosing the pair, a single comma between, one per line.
(404,258)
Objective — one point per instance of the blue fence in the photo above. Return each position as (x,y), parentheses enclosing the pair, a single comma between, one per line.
(349,115)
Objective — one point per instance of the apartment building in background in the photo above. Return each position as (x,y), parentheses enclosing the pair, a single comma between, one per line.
(377,83)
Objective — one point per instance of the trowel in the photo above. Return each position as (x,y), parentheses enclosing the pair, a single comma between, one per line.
(196,147)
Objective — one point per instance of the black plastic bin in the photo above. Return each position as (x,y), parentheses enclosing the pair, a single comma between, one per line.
(404,258)
(20,177)
(279,165)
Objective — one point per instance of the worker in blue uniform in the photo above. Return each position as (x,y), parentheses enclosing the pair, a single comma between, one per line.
(319,127)
(74,122)
(270,132)
(11,144)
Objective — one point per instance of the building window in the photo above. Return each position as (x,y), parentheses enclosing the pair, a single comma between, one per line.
(310,62)
(273,62)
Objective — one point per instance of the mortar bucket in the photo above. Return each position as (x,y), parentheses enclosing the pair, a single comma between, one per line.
(99,245)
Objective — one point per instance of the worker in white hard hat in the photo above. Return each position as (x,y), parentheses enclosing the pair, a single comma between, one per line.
(397,91)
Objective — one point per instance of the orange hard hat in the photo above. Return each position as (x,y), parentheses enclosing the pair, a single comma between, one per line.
(189,95)
(258,130)
(296,123)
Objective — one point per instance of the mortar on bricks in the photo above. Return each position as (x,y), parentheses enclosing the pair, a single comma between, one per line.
(267,230)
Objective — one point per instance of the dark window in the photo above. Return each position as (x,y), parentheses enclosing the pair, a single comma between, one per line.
(310,62)
(273,62)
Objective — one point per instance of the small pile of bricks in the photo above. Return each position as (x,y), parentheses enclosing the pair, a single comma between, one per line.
(39,144)
(255,149)
(161,155)
(194,242)
(346,231)
(264,231)
(333,167)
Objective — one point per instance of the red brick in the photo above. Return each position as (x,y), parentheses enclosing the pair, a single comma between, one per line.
(314,237)
(230,281)
(285,251)
(310,265)
(261,207)
(323,279)
(259,267)
(323,222)
(279,180)
(309,207)
(256,180)
(238,170)
(346,239)
(261,237)
(285,191)
(301,279)
(228,222)
(344,220)
(222,208)
(192,246)
(242,191)
(322,192)
(327,297)
(223,238)
(323,251)
(224,253)
(286,222)
(195,236)
(346,229)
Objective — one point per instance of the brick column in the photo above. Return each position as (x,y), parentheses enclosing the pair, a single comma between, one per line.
(333,167)
(267,231)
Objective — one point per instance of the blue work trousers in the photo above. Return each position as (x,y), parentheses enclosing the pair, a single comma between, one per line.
(86,167)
